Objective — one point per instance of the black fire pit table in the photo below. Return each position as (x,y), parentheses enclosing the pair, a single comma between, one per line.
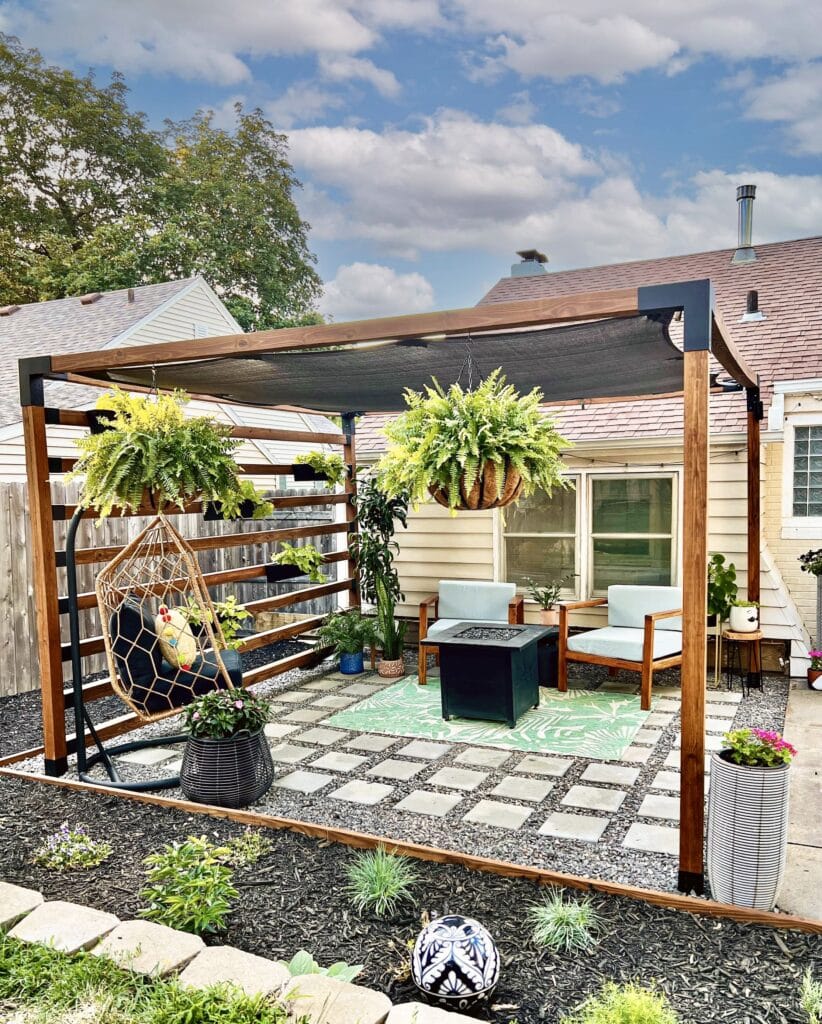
(492,671)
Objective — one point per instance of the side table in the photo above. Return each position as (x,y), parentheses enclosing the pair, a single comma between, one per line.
(747,668)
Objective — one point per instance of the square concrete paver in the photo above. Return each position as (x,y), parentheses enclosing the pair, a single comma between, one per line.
(358,792)
(659,720)
(304,782)
(67,927)
(593,798)
(458,778)
(718,724)
(424,750)
(673,760)
(394,769)
(292,696)
(533,764)
(148,756)
(148,948)
(656,806)
(16,902)
(421,801)
(324,685)
(360,690)
(336,761)
(647,736)
(519,787)
(610,774)
(724,697)
(321,736)
(371,742)
(276,730)
(712,742)
(666,704)
(499,815)
(289,753)
(483,757)
(667,780)
(220,965)
(652,838)
(725,711)
(581,827)
(636,755)
(334,701)
(306,715)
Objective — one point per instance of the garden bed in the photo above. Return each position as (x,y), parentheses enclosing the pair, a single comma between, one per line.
(711,969)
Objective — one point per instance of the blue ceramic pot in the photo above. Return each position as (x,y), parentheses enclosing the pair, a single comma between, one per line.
(351,664)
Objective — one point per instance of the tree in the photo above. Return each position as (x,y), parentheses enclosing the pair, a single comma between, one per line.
(99,201)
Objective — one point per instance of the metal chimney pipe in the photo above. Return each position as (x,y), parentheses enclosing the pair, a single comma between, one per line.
(745,195)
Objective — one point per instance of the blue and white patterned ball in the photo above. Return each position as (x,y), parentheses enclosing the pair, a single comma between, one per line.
(455,962)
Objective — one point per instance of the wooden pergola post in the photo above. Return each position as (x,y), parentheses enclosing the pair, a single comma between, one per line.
(755,413)
(350,459)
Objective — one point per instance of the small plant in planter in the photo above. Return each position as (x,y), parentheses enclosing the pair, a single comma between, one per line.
(722,588)
(547,597)
(319,466)
(307,559)
(744,617)
(348,632)
(474,449)
(246,503)
(815,671)
(390,634)
(231,615)
(748,817)
(226,761)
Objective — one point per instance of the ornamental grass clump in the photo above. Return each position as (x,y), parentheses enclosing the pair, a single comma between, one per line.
(380,881)
(445,440)
(222,714)
(811,998)
(624,1004)
(71,849)
(758,748)
(564,925)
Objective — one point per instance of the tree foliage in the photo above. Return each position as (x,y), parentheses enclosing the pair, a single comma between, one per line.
(93,198)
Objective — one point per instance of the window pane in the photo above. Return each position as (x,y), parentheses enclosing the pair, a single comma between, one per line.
(631,561)
(543,514)
(544,559)
(640,505)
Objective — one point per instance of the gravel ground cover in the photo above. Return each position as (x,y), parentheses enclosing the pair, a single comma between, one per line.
(712,969)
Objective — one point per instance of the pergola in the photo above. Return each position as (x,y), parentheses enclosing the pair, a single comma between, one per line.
(595,346)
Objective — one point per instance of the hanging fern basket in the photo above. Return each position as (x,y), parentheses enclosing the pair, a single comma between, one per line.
(495,486)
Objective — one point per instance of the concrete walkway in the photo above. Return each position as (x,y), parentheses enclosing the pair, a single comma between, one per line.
(801,891)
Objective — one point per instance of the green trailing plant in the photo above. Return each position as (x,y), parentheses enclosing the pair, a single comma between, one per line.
(71,849)
(445,435)
(347,632)
(380,882)
(189,886)
(624,1004)
(306,558)
(373,546)
(230,613)
(722,586)
(390,631)
(547,596)
(811,562)
(221,714)
(810,996)
(304,963)
(746,604)
(331,466)
(564,925)
(231,506)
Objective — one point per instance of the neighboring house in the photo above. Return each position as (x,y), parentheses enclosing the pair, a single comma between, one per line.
(621,522)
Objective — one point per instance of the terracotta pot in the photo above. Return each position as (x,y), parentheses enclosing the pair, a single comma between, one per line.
(815,679)
(481,492)
(549,616)
(391,669)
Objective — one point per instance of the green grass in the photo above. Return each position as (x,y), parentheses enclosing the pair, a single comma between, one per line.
(85,989)
(564,925)
(811,998)
(380,881)
(623,1004)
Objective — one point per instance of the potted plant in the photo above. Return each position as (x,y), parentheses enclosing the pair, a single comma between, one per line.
(475,449)
(744,617)
(372,545)
(722,589)
(246,503)
(547,598)
(230,614)
(815,671)
(390,635)
(319,466)
(293,561)
(347,632)
(226,761)
(748,817)
(811,562)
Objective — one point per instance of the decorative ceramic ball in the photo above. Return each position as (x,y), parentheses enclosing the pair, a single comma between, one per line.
(455,962)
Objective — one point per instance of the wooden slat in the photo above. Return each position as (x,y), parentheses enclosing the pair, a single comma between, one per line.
(493,316)
(729,355)
(285,501)
(350,457)
(275,668)
(273,636)
(91,691)
(297,596)
(65,465)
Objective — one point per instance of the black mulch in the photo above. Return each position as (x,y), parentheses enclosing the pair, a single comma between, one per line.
(713,970)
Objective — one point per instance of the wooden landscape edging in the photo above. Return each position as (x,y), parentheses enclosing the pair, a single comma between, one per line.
(505,869)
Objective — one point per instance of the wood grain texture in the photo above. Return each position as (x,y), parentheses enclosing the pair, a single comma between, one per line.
(754,483)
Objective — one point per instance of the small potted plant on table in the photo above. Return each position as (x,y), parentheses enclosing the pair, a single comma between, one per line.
(744,617)
(547,598)
(293,561)
(348,633)
(226,761)
(748,817)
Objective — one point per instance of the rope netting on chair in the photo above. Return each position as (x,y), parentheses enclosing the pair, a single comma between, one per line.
(162,637)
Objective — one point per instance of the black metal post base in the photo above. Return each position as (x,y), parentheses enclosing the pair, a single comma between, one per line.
(55,767)
(140,786)
(691,882)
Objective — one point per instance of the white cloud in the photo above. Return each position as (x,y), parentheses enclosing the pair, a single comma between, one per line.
(365,290)
(344,68)
(792,98)
(302,103)
(520,110)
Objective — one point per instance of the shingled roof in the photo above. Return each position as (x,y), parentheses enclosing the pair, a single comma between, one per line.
(786,345)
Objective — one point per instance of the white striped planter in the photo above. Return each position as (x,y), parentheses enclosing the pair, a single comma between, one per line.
(747,832)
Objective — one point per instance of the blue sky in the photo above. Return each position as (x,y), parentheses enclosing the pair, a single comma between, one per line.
(435,137)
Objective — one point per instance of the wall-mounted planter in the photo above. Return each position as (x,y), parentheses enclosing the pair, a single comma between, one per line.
(305,473)
(277,573)
(214,512)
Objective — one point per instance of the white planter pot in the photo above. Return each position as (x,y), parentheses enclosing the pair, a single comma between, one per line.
(747,832)
(744,620)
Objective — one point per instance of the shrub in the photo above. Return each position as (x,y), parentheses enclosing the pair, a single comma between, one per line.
(562,925)
(304,963)
(221,714)
(70,849)
(247,848)
(380,881)
(759,748)
(624,1004)
(189,886)
(811,997)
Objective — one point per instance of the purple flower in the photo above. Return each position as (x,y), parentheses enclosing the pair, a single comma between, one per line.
(239,705)
(195,716)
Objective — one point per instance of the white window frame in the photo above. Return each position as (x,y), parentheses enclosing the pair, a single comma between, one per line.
(796,527)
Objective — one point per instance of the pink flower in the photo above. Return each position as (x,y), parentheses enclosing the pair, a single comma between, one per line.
(239,705)
(196,715)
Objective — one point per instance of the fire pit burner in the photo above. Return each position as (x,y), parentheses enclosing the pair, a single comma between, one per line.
(488,633)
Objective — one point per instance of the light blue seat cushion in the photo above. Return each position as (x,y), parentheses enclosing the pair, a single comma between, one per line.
(442,624)
(628,606)
(624,643)
(475,600)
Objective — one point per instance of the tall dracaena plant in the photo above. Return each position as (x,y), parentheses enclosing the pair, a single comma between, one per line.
(390,633)
(373,545)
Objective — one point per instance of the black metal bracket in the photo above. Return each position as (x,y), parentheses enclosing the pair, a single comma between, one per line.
(694,298)
(754,403)
(691,882)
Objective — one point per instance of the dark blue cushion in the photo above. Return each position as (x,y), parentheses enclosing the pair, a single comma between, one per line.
(137,653)
(177,687)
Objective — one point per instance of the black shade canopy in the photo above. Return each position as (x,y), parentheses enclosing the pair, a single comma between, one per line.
(604,359)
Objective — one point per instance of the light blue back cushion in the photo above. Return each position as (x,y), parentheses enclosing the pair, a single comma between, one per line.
(475,600)
(628,606)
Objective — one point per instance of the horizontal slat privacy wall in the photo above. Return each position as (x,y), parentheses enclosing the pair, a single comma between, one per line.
(49,559)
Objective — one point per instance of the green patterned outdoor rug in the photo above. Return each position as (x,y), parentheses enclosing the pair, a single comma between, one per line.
(581,723)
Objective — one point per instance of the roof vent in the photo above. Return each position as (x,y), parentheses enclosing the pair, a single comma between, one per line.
(91,297)
(130,295)
(532,263)
(8,310)
(752,311)
(745,195)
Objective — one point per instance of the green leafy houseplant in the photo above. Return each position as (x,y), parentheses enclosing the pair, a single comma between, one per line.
(390,632)
(758,748)
(307,559)
(472,449)
(221,714)
(304,963)
(235,504)
(811,562)
(546,597)
(373,546)
(380,881)
(623,1004)
(722,586)
(347,632)
(332,467)
(230,613)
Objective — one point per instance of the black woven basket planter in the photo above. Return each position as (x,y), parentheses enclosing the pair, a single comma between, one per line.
(214,512)
(227,773)
(305,473)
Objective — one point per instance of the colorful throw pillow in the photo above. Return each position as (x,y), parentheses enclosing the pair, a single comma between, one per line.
(176,639)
